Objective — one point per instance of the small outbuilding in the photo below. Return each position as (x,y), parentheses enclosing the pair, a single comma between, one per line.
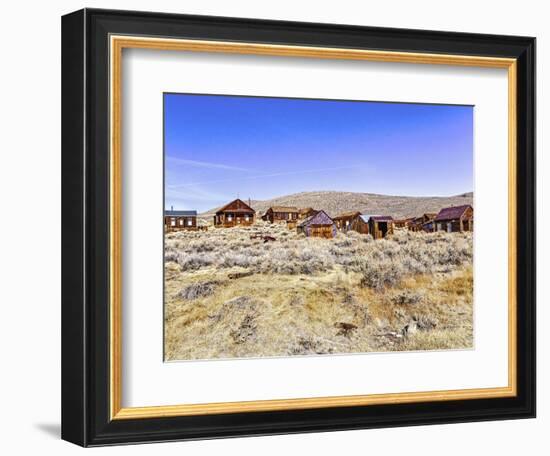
(180,220)
(318,225)
(455,219)
(235,213)
(281,214)
(423,223)
(344,221)
(361,224)
(403,223)
(380,226)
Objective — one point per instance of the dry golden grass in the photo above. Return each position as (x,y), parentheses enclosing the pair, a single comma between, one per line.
(308,296)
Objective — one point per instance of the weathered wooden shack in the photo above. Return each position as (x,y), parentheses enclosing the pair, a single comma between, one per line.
(380,226)
(455,219)
(235,213)
(423,223)
(306,212)
(281,214)
(318,225)
(345,220)
(361,224)
(403,223)
(180,220)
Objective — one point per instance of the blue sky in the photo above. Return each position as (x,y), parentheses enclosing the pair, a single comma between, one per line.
(218,148)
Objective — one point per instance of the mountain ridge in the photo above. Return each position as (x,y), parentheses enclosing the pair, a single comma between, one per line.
(335,202)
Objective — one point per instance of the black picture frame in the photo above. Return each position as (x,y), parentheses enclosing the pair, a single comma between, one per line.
(85,228)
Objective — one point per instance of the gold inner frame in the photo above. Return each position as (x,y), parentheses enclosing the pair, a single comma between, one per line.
(117,44)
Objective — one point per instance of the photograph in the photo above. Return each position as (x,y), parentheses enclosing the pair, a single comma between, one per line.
(298,227)
(268,226)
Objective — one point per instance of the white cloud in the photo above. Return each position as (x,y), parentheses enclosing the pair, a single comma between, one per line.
(201,164)
(260,176)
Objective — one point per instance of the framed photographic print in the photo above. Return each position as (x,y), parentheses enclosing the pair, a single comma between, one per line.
(277,227)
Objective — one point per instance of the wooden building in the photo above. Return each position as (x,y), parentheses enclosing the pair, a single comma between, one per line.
(353,221)
(455,219)
(345,220)
(380,226)
(235,213)
(318,225)
(423,223)
(361,224)
(306,212)
(403,223)
(281,214)
(180,220)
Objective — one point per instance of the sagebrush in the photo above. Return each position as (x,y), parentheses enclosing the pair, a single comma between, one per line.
(230,293)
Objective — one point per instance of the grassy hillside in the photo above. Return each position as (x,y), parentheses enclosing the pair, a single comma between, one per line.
(335,203)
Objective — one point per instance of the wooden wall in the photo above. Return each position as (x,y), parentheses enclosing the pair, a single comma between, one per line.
(464,223)
(280,217)
(228,220)
(179,223)
(377,228)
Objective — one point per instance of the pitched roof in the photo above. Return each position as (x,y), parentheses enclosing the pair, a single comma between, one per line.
(238,206)
(283,209)
(321,218)
(171,213)
(382,218)
(366,217)
(305,210)
(426,217)
(305,221)
(347,214)
(451,213)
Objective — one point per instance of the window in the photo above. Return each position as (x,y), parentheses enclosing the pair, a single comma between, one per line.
(181,222)
(246,218)
(189,222)
(172,222)
(347,222)
(229,218)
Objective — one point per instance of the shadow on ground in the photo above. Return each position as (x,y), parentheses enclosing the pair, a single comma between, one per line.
(51,429)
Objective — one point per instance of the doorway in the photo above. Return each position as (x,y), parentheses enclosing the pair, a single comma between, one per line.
(383,227)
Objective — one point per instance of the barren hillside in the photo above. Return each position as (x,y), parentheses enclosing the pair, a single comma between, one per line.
(335,203)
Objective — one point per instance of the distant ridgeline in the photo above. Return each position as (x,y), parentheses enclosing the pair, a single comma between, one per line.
(336,203)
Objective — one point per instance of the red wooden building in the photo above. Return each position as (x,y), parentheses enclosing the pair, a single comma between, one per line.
(235,213)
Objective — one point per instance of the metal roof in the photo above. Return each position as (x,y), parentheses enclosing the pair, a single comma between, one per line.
(321,218)
(366,217)
(180,213)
